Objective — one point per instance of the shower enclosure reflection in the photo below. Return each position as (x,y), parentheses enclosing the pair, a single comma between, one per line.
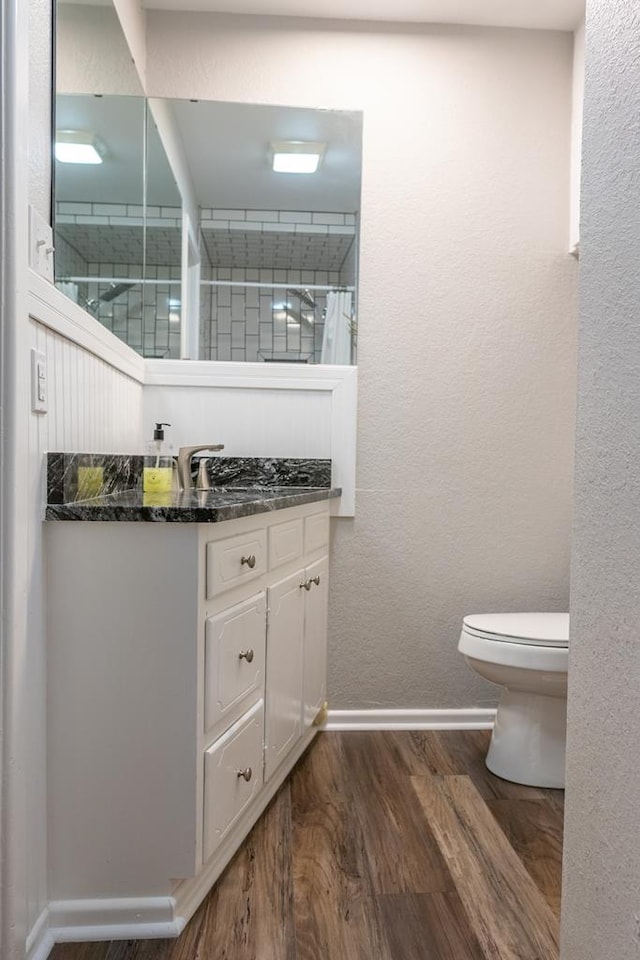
(184,241)
(118,224)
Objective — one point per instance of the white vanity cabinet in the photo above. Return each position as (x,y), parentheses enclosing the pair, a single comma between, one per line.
(297,672)
(187,663)
(314,678)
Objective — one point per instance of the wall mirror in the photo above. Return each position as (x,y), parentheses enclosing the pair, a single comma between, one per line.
(183,239)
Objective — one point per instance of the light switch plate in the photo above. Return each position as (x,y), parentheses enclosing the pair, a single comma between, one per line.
(39,384)
(40,245)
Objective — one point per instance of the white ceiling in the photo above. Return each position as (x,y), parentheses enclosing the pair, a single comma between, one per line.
(227,149)
(119,124)
(227,146)
(540,14)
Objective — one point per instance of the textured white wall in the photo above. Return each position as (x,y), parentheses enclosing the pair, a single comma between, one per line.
(40,65)
(467,340)
(576,133)
(92,55)
(132,17)
(601,898)
(29,823)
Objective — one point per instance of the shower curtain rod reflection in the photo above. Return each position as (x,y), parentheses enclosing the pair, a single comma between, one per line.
(293,285)
(133,281)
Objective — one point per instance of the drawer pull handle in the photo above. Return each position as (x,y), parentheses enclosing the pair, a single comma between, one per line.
(246,655)
(245,774)
(250,561)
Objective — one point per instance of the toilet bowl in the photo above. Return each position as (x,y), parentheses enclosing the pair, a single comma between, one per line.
(527,654)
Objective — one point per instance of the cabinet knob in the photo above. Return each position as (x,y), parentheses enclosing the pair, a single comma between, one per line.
(250,561)
(307,583)
(246,655)
(245,774)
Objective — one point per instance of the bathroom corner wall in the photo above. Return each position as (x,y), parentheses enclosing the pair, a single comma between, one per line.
(92,405)
(601,880)
(466,342)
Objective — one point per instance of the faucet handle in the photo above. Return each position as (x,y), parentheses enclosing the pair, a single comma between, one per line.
(203,482)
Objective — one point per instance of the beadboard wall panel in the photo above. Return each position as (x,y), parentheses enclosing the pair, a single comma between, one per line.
(260,410)
(91,407)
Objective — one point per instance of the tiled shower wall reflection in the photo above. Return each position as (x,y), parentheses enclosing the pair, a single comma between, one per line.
(253,323)
(146,316)
(108,240)
(283,251)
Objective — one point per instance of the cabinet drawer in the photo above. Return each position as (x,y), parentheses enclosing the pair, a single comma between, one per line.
(285,542)
(226,792)
(234,561)
(234,660)
(316,532)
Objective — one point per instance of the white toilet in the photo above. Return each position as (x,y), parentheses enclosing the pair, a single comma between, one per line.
(527,653)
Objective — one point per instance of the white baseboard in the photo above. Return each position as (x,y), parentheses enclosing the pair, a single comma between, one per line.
(40,940)
(114,919)
(158,917)
(473,718)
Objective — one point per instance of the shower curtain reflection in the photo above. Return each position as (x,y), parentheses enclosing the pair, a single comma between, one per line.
(338,325)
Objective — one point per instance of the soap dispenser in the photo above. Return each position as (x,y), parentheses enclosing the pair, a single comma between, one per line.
(158,463)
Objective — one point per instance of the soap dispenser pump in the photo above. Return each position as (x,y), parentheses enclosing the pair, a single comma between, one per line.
(158,463)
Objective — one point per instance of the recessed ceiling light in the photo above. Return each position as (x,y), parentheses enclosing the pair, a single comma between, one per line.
(78,146)
(296,156)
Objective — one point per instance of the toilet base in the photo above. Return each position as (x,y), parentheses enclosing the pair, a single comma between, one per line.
(528,739)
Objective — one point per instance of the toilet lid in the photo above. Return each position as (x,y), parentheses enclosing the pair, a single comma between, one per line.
(541,629)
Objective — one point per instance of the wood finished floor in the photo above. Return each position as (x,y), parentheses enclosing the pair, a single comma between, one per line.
(382,846)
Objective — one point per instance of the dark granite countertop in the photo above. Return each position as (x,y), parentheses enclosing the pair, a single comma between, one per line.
(110,488)
(207,506)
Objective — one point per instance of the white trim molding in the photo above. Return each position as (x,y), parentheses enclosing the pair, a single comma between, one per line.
(50,307)
(114,919)
(471,718)
(133,918)
(39,941)
(22,866)
(340,382)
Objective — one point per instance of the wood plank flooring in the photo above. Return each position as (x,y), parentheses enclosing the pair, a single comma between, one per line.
(382,846)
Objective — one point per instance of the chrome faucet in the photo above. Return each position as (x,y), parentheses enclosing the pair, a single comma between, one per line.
(184,462)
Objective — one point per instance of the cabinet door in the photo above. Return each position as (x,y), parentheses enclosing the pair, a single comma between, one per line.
(234,661)
(284,669)
(315,640)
